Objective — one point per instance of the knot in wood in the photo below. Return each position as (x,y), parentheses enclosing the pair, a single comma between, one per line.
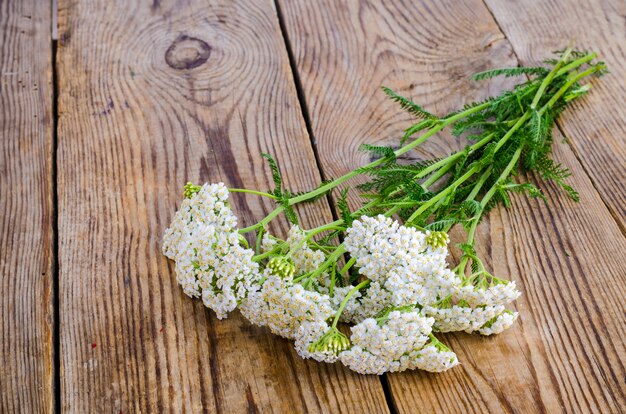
(187,53)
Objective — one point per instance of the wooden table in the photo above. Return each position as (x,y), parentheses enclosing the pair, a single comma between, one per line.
(102,127)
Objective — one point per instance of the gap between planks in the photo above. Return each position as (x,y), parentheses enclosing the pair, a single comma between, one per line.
(384,381)
(302,101)
(56,329)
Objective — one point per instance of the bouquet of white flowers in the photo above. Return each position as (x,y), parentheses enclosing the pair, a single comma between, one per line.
(382,269)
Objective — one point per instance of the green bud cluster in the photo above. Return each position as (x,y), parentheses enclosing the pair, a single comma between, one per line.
(437,239)
(332,341)
(191,189)
(281,266)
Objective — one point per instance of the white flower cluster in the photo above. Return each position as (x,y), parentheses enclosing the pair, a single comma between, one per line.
(499,323)
(304,258)
(408,292)
(310,333)
(435,357)
(461,318)
(405,269)
(353,309)
(496,295)
(210,262)
(388,345)
(283,306)
(478,309)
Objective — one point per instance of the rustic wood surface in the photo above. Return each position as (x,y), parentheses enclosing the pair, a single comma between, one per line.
(26,202)
(153,94)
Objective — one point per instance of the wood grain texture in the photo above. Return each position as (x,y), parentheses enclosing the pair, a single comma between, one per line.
(26,224)
(596,126)
(169,92)
(567,351)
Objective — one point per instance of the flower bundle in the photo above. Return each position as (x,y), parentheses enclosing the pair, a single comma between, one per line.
(382,269)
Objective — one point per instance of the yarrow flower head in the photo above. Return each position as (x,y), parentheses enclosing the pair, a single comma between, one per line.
(319,341)
(462,318)
(499,323)
(380,244)
(283,305)
(498,292)
(434,357)
(304,258)
(386,343)
(352,311)
(203,240)
(407,266)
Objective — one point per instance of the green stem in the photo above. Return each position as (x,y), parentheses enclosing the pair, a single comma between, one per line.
(259,240)
(572,80)
(443,166)
(347,266)
(511,131)
(436,176)
(265,255)
(346,299)
(479,184)
(576,63)
(312,233)
(442,194)
(472,231)
(451,158)
(503,176)
(330,260)
(546,81)
(263,222)
(245,190)
(442,124)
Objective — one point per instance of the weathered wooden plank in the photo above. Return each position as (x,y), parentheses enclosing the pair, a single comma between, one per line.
(26,225)
(564,354)
(153,95)
(597,127)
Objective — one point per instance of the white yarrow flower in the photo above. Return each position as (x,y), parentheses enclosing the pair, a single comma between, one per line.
(379,345)
(210,262)
(499,324)
(283,306)
(308,334)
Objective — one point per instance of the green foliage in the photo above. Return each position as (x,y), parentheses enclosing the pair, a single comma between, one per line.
(507,135)
(415,128)
(282,195)
(387,153)
(509,72)
(517,126)
(276,176)
(344,209)
(409,106)
(289,211)
(318,196)
(550,170)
